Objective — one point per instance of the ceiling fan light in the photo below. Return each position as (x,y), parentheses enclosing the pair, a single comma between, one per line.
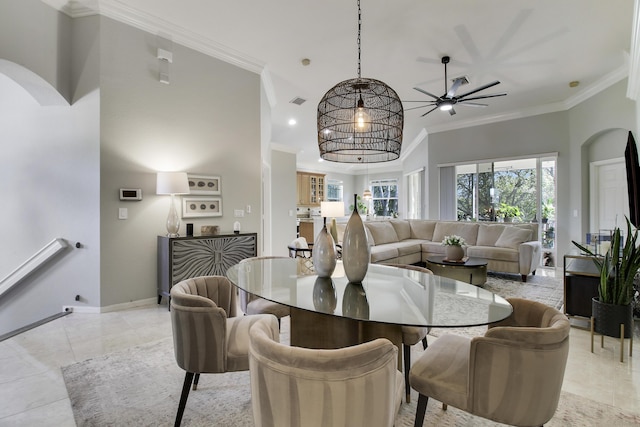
(446,106)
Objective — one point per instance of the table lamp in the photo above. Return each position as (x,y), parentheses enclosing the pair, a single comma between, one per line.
(172,183)
(332,210)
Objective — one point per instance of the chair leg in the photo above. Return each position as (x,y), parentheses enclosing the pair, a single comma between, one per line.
(425,344)
(188,378)
(422,409)
(195,381)
(406,351)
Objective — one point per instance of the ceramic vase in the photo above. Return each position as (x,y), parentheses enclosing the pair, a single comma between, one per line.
(324,253)
(354,302)
(356,253)
(454,253)
(325,298)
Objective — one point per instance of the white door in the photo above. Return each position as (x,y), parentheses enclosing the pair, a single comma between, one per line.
(609,197)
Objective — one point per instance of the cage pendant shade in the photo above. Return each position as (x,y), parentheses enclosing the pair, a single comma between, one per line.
(342,138)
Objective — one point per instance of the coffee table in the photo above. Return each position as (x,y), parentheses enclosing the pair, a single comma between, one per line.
(470,270)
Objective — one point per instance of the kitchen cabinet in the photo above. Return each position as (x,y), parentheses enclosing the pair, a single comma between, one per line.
(181,258)
(310,188)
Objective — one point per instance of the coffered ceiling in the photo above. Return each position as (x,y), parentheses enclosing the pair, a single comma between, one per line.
(535,48)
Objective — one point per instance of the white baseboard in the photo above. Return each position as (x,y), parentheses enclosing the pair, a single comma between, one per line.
(110,308)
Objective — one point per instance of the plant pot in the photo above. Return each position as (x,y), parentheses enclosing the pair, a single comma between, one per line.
(608,317)
(454,253)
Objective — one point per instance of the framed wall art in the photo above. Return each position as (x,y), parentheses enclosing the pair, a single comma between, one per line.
(196,207)
(200,184)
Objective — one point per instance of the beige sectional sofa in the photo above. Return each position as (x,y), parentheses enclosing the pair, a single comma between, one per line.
(508,247)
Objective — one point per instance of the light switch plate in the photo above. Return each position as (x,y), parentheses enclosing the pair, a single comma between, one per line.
(123,213)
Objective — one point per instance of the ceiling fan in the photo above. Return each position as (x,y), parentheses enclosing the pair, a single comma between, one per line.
(449,99)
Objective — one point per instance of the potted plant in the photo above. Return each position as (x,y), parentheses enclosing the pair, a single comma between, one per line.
(362,207)
(547,211)
(453,247)
(508,212)
(618,268)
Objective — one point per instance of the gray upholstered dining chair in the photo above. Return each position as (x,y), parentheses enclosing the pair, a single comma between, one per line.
(253,304)
(207,335)
(352,386)
(411,335)
(513,374)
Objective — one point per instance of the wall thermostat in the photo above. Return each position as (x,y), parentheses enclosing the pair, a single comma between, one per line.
(133,194)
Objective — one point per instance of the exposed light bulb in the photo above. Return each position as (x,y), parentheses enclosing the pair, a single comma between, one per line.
(361,119)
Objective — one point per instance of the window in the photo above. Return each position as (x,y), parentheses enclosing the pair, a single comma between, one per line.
(385,197)
(414,195)
(334,190)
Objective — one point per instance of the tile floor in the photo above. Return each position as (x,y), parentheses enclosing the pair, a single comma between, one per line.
(32,391)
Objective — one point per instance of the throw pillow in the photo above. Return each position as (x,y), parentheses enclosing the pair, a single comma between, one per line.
(513,237)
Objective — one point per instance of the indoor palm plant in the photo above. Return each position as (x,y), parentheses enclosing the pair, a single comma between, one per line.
(618,268)
(453,249)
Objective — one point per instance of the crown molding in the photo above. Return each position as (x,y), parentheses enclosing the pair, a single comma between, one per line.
(118,11)
(601,84)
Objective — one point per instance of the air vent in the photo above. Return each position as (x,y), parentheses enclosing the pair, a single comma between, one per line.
(298,101)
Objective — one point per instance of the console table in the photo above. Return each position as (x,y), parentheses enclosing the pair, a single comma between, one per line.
(180,258)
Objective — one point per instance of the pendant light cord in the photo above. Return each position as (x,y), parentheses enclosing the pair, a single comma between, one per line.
(359,28)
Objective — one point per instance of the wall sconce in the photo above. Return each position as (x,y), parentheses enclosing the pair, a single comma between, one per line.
(172,183)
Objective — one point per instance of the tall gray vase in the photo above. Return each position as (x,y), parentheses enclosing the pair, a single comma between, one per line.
(324,253)
(356,253)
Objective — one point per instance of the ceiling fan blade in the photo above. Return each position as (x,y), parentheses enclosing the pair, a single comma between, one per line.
(426,93)
(487,86)
(471,104)
(434,108)
(482,97)
(454,87)
(415,108)
(452,111)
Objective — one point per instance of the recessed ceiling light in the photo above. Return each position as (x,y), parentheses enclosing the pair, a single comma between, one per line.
(574,83)
(306,61)
(292,122)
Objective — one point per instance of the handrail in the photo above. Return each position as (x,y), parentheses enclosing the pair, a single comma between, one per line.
(32,264)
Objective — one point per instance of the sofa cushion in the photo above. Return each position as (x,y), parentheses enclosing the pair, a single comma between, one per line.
(513,237)
(422,229)
(433,248)
(468,231)
(488,234)
(533,227)
(494,253)
(383,252)
(408,247)
(402,228)
(382,232)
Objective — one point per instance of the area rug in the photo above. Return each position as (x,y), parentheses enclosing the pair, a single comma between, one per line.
(546,289)
(141,387)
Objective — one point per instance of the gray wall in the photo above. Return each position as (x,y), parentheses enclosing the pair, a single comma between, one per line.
(569,133)
(589,121)
(283,202)
(49,169)
(207,122)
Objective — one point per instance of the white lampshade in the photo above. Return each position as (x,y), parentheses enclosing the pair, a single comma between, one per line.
(172,183)
(331,209)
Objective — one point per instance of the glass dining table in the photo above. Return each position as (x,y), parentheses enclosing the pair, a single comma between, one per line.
(333,313)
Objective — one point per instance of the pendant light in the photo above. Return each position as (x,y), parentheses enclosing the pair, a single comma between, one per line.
(360,120)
